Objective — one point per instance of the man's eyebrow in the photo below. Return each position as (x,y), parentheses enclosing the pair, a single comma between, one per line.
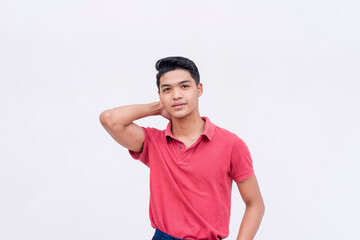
(165,85)
(185,81)
(168,85)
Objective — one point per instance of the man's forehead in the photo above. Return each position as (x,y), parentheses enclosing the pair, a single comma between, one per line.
(176,77)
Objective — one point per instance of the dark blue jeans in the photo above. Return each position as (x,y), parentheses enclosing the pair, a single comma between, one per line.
(159,235)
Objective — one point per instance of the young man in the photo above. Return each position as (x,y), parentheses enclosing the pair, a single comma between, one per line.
(192,162)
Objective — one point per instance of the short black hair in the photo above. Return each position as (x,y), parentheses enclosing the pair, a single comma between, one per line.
(167,64)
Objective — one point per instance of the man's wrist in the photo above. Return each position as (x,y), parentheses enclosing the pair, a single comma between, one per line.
(155,108)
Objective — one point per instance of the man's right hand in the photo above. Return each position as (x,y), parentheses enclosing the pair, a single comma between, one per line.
(164,112)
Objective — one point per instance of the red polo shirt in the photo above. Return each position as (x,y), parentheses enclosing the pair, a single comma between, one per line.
(190,189)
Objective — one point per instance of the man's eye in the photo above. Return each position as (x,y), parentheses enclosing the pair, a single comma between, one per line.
(166,89)
(185,86)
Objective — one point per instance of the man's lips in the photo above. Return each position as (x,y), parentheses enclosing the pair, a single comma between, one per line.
(178,105)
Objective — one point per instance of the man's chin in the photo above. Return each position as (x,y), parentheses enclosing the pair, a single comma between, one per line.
(178,115)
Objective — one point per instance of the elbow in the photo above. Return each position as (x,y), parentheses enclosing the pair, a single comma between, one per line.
(262,207)
(257,205)
(110,122)
(105,118)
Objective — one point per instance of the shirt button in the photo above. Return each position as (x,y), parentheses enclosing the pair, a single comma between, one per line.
(180,147)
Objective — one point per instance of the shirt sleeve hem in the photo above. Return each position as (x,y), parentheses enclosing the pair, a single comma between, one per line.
(137,155)
(244,176)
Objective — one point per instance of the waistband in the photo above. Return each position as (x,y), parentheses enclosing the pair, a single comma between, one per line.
(159,235)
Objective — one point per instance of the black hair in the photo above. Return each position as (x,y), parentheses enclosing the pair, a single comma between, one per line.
(167,64)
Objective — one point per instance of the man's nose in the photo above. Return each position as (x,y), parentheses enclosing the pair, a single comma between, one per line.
(177,94)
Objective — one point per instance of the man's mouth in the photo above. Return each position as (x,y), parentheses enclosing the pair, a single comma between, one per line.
(178,105)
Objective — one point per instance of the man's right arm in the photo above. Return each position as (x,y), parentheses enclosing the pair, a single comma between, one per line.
(118,122)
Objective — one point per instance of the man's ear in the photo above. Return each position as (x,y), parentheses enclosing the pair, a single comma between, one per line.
(200,89)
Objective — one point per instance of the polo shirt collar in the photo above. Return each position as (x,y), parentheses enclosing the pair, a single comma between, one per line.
(208,131)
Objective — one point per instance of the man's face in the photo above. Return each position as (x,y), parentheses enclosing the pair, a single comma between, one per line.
(179,93)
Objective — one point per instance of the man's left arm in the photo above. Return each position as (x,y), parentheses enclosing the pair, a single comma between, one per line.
(255,208)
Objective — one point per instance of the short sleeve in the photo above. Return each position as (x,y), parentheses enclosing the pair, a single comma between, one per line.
(241,165)
(143,156)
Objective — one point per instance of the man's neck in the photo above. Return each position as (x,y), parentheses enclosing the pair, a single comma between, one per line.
(190,127)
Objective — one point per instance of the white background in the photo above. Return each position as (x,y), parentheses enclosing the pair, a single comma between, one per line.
(283,75)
